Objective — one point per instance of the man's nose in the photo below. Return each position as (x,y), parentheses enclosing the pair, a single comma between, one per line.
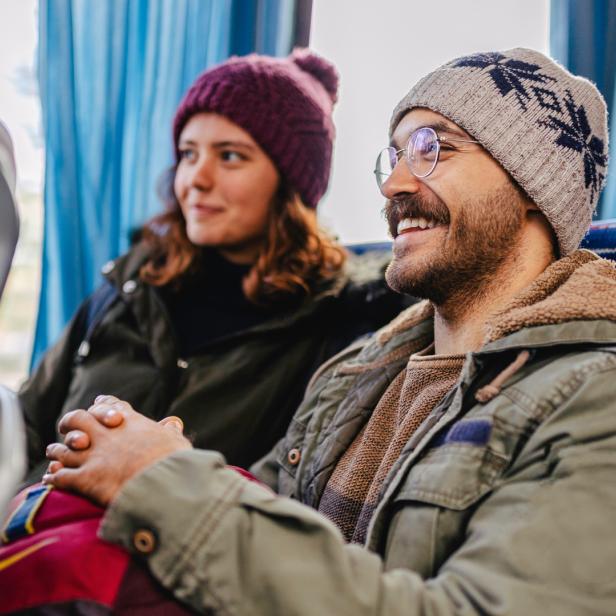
(400,182)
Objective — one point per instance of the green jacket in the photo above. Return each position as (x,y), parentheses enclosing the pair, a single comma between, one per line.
(501,507)
(236,396)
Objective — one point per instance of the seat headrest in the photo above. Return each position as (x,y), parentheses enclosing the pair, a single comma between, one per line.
(9,220)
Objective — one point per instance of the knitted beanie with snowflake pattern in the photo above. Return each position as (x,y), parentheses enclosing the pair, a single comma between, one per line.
(545,126)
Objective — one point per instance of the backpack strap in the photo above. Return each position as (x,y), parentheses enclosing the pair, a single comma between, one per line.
(92,313)
(99,303)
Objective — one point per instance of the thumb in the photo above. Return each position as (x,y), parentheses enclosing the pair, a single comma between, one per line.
(173,423)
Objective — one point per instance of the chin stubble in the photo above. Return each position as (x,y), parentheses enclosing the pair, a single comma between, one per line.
(482,239)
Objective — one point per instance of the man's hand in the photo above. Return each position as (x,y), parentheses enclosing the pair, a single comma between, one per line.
(113,454)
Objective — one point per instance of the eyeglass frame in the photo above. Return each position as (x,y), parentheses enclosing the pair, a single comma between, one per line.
(438,139)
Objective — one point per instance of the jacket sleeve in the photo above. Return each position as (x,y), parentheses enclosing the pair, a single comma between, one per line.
(42,396)
(541,542)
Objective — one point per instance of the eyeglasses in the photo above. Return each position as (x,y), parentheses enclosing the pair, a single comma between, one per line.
(422,152)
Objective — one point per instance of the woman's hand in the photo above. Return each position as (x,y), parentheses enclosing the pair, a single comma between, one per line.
(107,410)
(113,454)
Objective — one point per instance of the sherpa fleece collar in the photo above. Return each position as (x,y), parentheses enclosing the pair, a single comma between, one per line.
(579,287)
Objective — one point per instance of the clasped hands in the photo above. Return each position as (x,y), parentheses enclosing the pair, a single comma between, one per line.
(107,445)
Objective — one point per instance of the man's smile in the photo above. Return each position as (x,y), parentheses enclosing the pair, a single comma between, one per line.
(415,214)
(415,236)
(408,224)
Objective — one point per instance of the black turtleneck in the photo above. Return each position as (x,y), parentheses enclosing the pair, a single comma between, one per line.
(209,303)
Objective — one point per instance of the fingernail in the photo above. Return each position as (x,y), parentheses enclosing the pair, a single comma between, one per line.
(46,478)
(98,399)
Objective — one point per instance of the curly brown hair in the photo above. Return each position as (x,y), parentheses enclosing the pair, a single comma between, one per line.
(295,261)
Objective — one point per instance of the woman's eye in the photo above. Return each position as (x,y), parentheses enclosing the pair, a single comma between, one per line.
(231,156)
(187,154)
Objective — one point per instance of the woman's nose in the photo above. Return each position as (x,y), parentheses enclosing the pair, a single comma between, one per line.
(203,173)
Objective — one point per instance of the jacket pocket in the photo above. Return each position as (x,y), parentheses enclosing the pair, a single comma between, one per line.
(453,476)
(431,509)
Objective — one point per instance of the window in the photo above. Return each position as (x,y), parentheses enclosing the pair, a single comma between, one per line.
(20,111)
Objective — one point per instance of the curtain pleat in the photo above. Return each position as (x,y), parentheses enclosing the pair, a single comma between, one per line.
(583,38)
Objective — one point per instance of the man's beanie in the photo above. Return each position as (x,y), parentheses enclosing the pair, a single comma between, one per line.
(286,106)
(545,126)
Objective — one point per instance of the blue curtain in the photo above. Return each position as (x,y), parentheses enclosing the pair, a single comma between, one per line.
(111,74)
(583,38)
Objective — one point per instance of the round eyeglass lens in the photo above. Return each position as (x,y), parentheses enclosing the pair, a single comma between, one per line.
(385,164)
(423,152)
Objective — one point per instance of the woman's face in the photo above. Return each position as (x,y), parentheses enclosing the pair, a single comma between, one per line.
(225,185)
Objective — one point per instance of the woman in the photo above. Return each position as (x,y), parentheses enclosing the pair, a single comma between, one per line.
(233,296)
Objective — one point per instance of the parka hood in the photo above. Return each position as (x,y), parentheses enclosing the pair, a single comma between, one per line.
(579,287)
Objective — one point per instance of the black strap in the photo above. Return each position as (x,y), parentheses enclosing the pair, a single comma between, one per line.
(95,309)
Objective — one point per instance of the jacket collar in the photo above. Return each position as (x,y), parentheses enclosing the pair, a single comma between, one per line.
(126,269)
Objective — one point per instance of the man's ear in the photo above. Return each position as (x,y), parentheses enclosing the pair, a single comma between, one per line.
(538,219)
(527,202)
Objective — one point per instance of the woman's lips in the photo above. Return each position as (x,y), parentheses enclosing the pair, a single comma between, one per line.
(205,209)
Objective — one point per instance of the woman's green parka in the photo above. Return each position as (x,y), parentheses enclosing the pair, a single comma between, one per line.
(236,396)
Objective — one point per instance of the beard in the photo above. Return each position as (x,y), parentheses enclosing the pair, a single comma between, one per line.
(483,237)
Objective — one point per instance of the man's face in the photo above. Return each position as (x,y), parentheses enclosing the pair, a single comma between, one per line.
(453,229)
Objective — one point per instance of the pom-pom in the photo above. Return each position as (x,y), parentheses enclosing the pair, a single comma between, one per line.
(319,68)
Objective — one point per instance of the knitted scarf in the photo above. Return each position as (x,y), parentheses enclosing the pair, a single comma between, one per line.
(352,492)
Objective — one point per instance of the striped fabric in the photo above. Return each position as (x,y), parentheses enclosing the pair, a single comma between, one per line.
(352,492)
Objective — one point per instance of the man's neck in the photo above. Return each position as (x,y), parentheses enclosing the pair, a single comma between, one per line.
(460,324)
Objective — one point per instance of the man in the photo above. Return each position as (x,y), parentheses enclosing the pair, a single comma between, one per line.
(466,453)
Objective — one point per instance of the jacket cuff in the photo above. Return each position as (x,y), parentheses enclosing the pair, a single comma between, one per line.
(173,506)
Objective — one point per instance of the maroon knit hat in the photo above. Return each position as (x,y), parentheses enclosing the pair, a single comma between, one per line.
(284,103)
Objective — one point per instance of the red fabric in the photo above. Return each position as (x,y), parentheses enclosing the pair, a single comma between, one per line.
(244,473)
(141,595)
(67,562)
(64,562)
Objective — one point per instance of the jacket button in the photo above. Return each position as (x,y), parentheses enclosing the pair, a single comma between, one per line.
(129,286)
(182,363)
(144,541)
(108,267)
(84,349)
(294,456)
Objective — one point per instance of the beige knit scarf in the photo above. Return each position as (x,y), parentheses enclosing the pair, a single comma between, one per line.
(352,492)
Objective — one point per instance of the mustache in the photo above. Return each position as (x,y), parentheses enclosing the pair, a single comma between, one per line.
(414,206)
